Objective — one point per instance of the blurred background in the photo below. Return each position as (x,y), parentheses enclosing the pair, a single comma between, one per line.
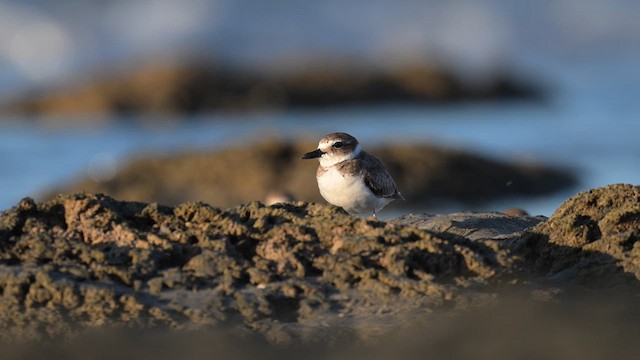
(519,103)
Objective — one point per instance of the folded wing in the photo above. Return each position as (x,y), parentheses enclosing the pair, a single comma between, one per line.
(378,179)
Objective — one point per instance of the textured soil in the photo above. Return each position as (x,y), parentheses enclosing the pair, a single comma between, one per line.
(310,272)
(593,238)
(89,260)
(425,174)
(187,87)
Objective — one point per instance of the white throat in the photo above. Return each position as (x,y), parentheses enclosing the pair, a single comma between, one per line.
(329,158)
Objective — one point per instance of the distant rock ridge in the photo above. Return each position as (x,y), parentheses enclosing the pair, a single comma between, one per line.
(198,86)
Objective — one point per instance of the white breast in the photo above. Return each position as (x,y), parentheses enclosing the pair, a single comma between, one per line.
(349,192)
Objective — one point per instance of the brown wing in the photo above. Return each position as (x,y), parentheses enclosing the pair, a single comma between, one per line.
(377,178)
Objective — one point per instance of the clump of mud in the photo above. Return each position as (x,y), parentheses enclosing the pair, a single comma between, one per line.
(593,238)
(425,174)
(81,261)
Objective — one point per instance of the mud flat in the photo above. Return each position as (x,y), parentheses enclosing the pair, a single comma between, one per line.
(426,175)
(305,273)
(190,86)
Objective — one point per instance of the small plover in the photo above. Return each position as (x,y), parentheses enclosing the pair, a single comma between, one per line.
(350,178)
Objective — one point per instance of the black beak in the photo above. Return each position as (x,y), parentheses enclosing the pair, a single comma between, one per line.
(312,154)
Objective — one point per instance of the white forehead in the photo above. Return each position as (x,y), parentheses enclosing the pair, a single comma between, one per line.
(329,141)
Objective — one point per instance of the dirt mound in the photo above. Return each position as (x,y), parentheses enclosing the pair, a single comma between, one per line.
(310,272)
(425,174)
(197,86)
(591,239)
(86,260)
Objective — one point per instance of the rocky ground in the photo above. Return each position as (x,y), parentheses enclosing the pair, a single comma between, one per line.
(426,175)
(305,273)
(197,86)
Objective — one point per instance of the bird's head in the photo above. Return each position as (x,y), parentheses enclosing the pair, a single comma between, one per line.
(335,148)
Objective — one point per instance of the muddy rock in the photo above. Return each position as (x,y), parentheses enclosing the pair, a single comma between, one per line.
(591,239)
(84,261)
(198,86)
(590,242)
(304,271)
(425,174)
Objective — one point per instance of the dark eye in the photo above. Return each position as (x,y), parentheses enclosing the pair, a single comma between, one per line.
(338,144)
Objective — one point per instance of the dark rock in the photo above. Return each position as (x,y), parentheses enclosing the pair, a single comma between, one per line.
(472,225)
(425,174)
(198,86)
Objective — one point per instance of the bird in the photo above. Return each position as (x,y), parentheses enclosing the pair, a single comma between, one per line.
(351,178)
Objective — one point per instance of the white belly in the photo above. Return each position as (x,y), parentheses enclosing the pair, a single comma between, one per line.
(349,192)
